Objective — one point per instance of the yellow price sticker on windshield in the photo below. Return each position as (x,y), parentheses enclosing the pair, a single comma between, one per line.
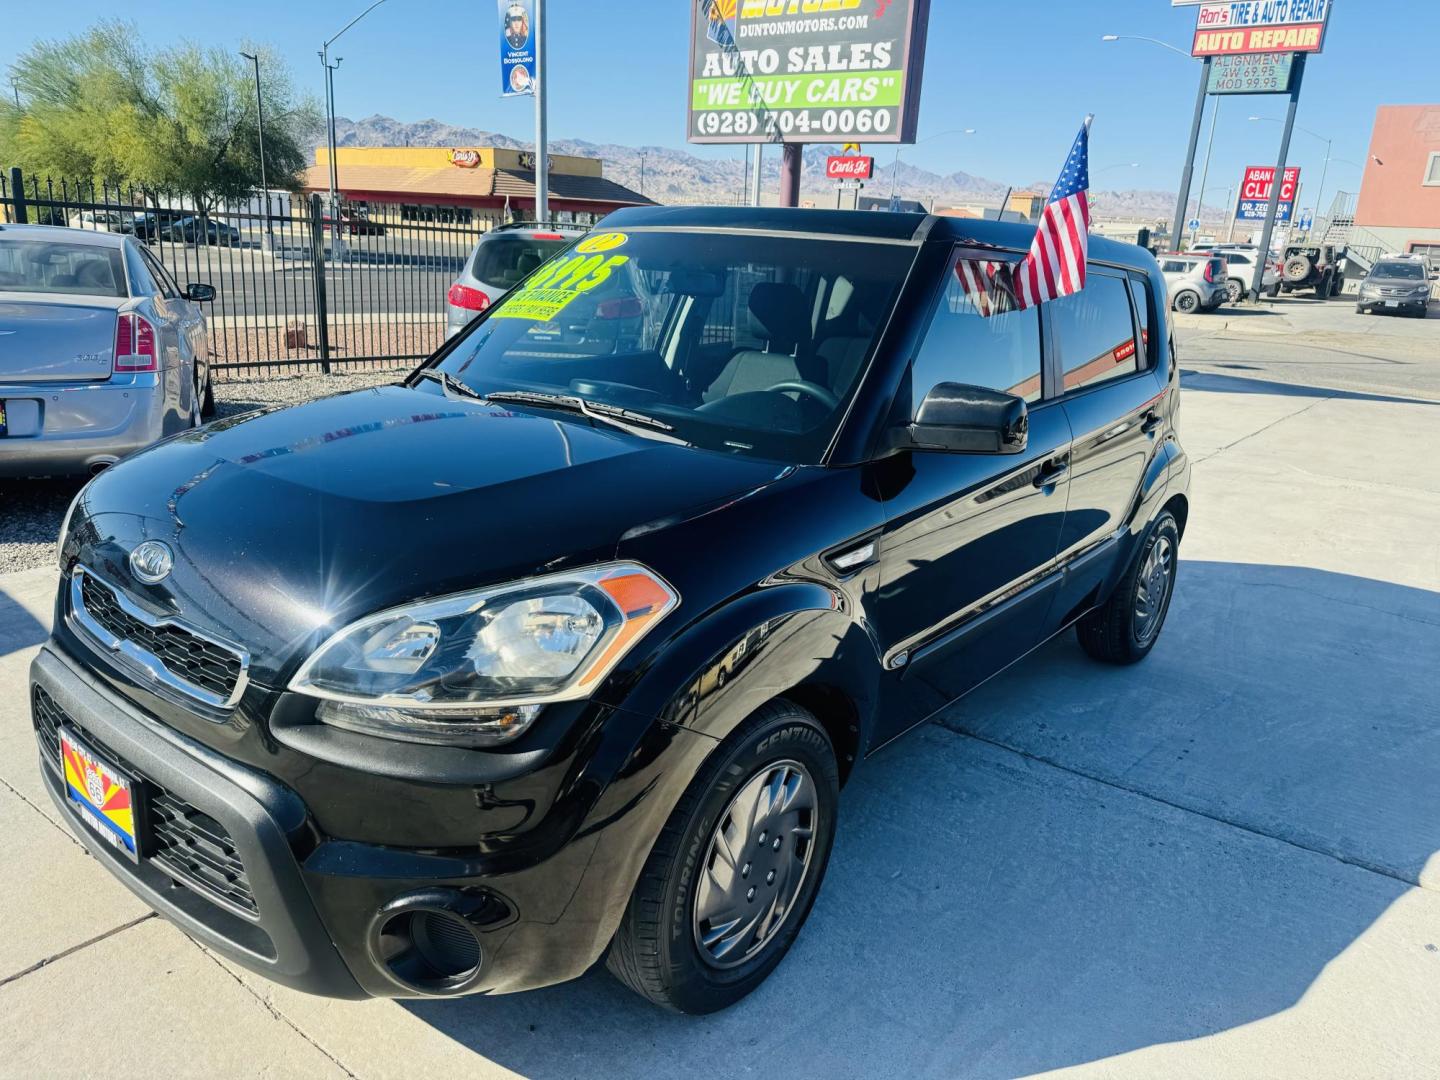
(601,242)
(555,285)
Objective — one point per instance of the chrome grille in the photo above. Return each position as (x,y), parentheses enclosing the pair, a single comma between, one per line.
(188,844)
(184,659)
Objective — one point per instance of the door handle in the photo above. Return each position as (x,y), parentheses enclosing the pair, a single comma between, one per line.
(1151,422)
(1052,472)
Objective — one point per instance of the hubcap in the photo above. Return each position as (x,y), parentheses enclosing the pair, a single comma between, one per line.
(1152,589)
(755,864)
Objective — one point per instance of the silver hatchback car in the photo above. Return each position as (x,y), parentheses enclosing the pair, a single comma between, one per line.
(503,258)
(101,353)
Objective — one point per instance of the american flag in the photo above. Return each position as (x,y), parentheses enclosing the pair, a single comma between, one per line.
(1055,266)
(981,281)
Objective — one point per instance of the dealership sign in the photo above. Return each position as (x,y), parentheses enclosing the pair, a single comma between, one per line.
(1260,26)
(806,70)
(1255,189)
(849,167)
(1251,73)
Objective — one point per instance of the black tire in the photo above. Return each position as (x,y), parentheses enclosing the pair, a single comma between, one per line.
(655,951)
(207,404)
(1187,302)
(1112,632)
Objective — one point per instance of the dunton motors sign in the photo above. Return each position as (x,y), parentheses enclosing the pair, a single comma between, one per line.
(1260,26)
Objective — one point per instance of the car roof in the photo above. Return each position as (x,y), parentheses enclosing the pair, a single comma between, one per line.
(859,225)
(61,232)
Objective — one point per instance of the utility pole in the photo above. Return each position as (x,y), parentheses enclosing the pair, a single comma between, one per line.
(542,141)
(1278,181)
(254,58)
(337,246)
(790,167)
(1205,169)
(642,172)
(755,177)
(1182,203)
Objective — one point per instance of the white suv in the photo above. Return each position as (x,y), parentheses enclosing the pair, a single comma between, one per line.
(1240,259)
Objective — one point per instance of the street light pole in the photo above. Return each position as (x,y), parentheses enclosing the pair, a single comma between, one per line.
(542,141)
(1182,202)
(1324,168)
(254,58)
(336,242)
(1205,169)
(895,168)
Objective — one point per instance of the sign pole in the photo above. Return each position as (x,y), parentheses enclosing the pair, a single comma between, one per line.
(542,141)
(1279,181)
(1182,203)
(790,175)
(755,178)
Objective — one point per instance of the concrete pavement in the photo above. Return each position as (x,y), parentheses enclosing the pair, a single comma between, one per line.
(1222,862)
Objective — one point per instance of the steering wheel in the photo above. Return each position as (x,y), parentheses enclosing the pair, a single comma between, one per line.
(813,390)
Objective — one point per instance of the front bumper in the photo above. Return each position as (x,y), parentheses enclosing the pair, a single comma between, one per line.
(1392,303)
(307,909)
(70,428)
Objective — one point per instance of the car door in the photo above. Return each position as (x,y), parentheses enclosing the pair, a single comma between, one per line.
(1104,353)
(968,538)
(193,335)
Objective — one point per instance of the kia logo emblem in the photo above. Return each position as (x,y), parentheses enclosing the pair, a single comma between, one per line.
(151,562)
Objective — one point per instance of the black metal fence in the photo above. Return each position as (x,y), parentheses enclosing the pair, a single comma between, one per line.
(294,291)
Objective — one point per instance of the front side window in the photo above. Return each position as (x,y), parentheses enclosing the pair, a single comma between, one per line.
(48,266)
(742,343)
(977,337)
(1096,332)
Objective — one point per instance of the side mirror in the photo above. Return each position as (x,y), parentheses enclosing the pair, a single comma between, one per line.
(965,419)
(200,293)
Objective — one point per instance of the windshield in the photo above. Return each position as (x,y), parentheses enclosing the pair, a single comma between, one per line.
(1403,271)
(42,266)
(750,344)
(504,260)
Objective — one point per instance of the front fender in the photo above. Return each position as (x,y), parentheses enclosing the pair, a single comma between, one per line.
(766,643)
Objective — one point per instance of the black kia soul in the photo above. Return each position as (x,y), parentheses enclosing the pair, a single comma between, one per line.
(563,647)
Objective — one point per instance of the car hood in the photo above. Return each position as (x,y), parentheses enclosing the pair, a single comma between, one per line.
(288,524)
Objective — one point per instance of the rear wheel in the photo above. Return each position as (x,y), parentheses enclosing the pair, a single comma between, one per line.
(736,869)
(1188,302)
(1126,627)
(1235,289)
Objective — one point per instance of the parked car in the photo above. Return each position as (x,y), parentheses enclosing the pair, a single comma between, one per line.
(1317,267)
(195,230)
(1240,262)
(1196,282)
(550,653)
(501,259)
(354,222)
(101,353)
(113,221)
(1398,285)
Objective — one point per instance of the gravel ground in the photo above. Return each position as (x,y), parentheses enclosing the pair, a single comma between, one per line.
(30,510)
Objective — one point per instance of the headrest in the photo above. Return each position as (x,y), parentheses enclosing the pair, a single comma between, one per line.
(781,312)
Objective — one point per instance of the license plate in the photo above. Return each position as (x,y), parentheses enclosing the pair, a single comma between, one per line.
(1392,303)
(101,794)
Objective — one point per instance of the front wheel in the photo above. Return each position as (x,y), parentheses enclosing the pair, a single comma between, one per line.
(736,869)
(1126,627)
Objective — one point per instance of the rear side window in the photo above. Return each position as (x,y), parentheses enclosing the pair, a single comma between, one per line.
(1095,330)
(44,266)
(1175,266)
(976,337)
(503,261)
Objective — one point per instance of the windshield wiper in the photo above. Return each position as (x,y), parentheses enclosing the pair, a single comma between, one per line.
(451,384)
(628,419)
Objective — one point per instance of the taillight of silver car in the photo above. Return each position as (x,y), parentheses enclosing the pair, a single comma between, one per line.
(134,344)
(462,296)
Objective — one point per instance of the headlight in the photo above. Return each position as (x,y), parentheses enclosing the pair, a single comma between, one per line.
(475,668)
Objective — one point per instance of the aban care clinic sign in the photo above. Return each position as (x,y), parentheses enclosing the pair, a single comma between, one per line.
(806,70)
(1260,26)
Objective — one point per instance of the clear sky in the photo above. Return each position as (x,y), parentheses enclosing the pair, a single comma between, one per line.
(1022,72)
